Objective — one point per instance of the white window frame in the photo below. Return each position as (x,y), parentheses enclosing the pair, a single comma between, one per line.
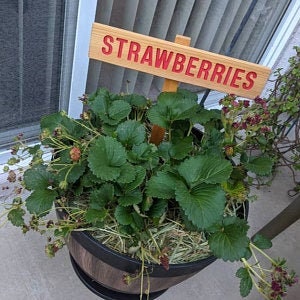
(282,35)
(86,17)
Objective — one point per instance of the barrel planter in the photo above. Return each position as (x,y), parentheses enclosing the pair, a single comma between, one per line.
(102,270)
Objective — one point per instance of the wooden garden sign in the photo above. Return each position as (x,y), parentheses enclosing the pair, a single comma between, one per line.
(177,61)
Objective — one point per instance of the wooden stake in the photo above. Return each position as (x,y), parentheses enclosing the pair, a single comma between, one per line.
(158,133)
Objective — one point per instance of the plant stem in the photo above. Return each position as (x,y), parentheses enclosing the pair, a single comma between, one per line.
(142,274)
(258,264)
(250,269)
(154,241)
(263,253)
(86,127)
(3,224)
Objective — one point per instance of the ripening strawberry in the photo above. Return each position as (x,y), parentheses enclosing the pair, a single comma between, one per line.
(75,153)
(229,150)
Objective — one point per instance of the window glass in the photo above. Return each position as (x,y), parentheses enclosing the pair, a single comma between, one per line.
(31,35)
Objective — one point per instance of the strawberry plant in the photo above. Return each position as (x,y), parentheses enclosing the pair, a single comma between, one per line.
(107,176)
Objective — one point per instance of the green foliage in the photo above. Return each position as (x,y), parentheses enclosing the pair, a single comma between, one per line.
(106,156)
(139,177)
(131,133)
(162,185)
(99,198)
(172,107)
(261,165)
(229,240)
(110,110)
(204,168)
(105,174)
(106,169)
(135,100)
(261,242)
(37,178)
(131,198)
(203,204)
(95,216)
(245,282)
(15,216)
(40,202)
(124,215)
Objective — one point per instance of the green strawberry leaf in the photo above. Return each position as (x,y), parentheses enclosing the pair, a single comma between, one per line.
(15,216)
(230,241)
(101,197)
(136,100)
(123,215)
(40,202)
(246,281)
(181,148)
(138,222)
(143,153)
(162,186)
(164,150)
(158,208)
(108,107)
(105,158)
(172,107)
(131,133)
(261,242)
(95,216)
(203,205)
(187,94)
(261,165)
(77,169)
(205,168)
(51,122)
(118,111)
(37,178)
(66,124)
(100,101)
(205,115)
(127,173)
(34,149)
(140,173)
(130,198)
(70,172)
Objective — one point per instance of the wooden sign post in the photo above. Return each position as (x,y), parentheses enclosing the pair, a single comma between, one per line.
(176,62)
(157,132)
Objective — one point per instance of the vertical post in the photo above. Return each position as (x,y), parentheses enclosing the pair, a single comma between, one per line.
(157,133)
(282,221)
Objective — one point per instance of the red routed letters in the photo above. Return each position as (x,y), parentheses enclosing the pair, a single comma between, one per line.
(177,62)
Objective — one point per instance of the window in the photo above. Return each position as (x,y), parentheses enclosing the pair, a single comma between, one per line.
(32,43)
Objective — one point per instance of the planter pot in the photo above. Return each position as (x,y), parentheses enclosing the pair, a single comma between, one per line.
(102,269)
